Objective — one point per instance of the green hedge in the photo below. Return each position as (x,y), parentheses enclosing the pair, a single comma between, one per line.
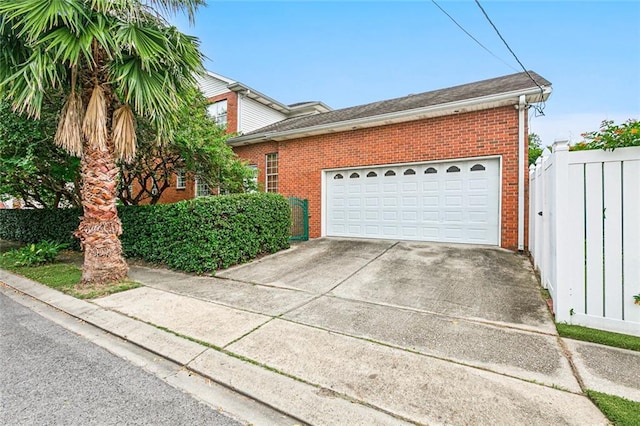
(197,235)
(35,225)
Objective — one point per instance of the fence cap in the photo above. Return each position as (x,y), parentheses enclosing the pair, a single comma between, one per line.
(560,145)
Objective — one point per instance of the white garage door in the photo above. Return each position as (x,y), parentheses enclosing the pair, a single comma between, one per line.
(455,201)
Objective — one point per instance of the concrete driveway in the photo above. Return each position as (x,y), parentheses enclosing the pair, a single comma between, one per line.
(474,282)
(476,305)
(426,333)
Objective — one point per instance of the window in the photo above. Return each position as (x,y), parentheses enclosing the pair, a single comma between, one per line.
(218,110)
(409,172)
(272,172)
(390,173)
(453,169)
(202,189)
(372,174)
(477,168)
(338,176)
(181,179)
(354,176)
(430,170)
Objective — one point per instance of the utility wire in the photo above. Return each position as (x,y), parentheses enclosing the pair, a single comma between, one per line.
(472,37)
(540,110)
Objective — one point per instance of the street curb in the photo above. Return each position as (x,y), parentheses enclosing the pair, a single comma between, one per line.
(307,403)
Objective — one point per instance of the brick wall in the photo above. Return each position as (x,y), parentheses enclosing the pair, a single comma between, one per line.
(232,109)
(480,133)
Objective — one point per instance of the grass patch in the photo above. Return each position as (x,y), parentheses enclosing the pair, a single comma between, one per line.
(608,338)
(620,411)
(64,276)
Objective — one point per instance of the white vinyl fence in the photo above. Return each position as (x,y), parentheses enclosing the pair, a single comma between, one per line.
(584,234)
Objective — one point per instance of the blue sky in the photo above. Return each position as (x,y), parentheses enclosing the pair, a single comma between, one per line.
(351,53)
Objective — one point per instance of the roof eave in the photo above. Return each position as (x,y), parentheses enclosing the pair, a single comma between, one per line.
(533,95)
(258,97)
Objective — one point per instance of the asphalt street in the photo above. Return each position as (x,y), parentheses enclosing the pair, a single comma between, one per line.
(49,375)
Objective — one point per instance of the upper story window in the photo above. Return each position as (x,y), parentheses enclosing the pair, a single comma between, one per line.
(181,179)
(218,111)
(272,172)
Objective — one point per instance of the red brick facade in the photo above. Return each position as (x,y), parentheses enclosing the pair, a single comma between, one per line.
(173,194)
(481,133)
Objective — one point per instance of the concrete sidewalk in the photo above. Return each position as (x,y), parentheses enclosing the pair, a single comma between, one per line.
(324,355)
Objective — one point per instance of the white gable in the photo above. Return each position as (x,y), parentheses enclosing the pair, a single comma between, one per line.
(213,84)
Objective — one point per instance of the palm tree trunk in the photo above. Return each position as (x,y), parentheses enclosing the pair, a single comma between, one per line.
(100,226)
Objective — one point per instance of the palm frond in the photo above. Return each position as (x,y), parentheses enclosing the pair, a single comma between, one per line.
(36,17)
(69,133)
(188,7)
(26,83)
(123,131)
(94,125)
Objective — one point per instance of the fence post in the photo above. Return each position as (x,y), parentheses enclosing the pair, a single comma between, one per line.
(532,210)
(562,301)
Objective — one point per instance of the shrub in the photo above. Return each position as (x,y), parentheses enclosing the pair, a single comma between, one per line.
(207,233)
(611,136)
(35,254)
(35,225)
(197,235)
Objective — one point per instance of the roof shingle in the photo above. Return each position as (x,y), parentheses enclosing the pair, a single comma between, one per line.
(505,84)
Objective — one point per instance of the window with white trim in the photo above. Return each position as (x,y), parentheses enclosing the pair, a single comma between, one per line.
(202,189)
(181,179)
(271,174)
(218,111)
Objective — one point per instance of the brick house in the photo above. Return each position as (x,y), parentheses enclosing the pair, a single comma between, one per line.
(241,109)
(447,165)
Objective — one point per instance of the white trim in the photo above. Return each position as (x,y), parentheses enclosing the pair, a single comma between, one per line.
(501,194)
(323,203)
(458,107)
(522,140)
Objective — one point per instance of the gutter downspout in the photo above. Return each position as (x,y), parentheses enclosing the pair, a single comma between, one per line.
(522,138)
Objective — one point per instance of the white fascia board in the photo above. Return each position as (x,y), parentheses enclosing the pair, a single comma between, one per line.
(532,95)
(258,97)
(219,77)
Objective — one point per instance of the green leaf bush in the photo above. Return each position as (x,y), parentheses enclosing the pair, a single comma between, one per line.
(197,235)
(36,254)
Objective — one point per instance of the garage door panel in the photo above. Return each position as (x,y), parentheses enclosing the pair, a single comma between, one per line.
(354,215)
(430,201)
(478,200)
(409,216)
(389,215)
(431,187)
(431,233)
(455,201)
(478,217)
(390,202)
(452,216)
(372,202)
(431,216)
(453,185)
(409,201)
(372,230)
(409,232)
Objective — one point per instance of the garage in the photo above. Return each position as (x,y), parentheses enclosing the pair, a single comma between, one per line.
(449,201)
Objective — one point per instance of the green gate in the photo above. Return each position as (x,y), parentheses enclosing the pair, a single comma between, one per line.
(299,219)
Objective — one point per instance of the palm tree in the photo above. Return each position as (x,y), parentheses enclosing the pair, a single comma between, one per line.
(114,59)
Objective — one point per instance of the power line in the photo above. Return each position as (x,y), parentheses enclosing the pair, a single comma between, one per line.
(472,37)
(538,109)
